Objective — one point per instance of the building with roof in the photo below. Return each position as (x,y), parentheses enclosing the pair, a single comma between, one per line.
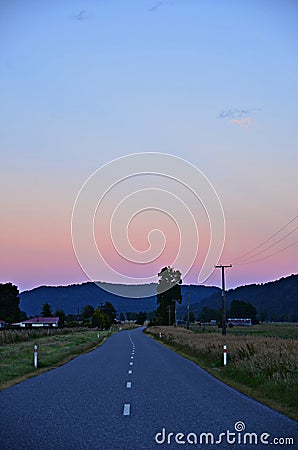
(38,322)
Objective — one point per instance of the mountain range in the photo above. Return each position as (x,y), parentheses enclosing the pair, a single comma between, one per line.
(72,298)
(275,301)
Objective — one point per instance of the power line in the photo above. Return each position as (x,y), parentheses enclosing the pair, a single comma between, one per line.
(266,240)
(242,260)
(268,256)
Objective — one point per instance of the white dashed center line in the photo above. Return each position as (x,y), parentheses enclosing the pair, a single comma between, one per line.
(126,409)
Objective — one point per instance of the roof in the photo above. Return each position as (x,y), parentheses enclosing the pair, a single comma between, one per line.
(42,320)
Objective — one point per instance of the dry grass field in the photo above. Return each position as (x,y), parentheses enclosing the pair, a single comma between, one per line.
(54,349)
(14,336)
(264,367)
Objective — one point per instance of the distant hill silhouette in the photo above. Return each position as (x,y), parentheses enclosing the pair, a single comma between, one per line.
(72,298)
(275,301)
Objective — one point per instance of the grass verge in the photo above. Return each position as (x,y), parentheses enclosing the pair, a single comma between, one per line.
(265,368)
(16,359)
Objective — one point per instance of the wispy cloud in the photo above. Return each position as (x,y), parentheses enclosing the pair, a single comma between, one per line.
(240,117)
(81,15)
(234,113)
(156,6)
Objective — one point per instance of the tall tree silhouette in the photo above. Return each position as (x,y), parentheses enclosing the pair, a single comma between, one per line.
(9,303)
(168,293)
(46,310)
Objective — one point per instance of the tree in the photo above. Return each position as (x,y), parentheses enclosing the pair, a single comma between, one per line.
(131,316)
(122,317)
(109,310)
(61,314)
(243,310)
(100,319)
(87,312)
(150,316)
(191,317)
(71,320)
(9,303)
(209,314)
(46,310)
(141,317)
(168,293)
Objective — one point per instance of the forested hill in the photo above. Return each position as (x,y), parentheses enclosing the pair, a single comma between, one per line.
(72,298)
(275,301)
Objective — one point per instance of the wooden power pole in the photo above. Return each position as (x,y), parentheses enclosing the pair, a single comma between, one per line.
(223,298)
(188,304)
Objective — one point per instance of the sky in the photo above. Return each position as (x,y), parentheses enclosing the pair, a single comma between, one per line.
(212,85)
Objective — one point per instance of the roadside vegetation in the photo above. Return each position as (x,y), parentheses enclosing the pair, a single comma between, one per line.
(29,334)
(262,359)
(54,349)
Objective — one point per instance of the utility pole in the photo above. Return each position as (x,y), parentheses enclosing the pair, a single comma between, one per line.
(188,304)
(175,318)
(223,298)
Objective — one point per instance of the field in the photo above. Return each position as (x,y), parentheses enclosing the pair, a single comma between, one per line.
(55,347)
(262,359)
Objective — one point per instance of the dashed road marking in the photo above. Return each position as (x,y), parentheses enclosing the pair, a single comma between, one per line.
(131,363)
(132,343)
(131,357)
(129,372)
(126,409)
(128,384)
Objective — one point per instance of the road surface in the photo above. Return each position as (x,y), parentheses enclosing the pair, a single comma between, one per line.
(131,394)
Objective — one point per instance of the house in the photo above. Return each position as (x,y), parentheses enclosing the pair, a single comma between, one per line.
(38,322)
(2,325)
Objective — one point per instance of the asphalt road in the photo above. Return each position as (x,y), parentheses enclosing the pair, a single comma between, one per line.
(131,394)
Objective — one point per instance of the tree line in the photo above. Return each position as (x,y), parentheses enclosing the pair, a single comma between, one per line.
(103,316)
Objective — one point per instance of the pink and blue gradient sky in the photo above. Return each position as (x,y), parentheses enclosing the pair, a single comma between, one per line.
(84,82)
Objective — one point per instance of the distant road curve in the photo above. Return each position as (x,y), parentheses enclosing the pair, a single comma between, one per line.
(130,394)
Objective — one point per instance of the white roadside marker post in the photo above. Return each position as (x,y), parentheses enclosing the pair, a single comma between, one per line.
(225,355)
(35,356)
